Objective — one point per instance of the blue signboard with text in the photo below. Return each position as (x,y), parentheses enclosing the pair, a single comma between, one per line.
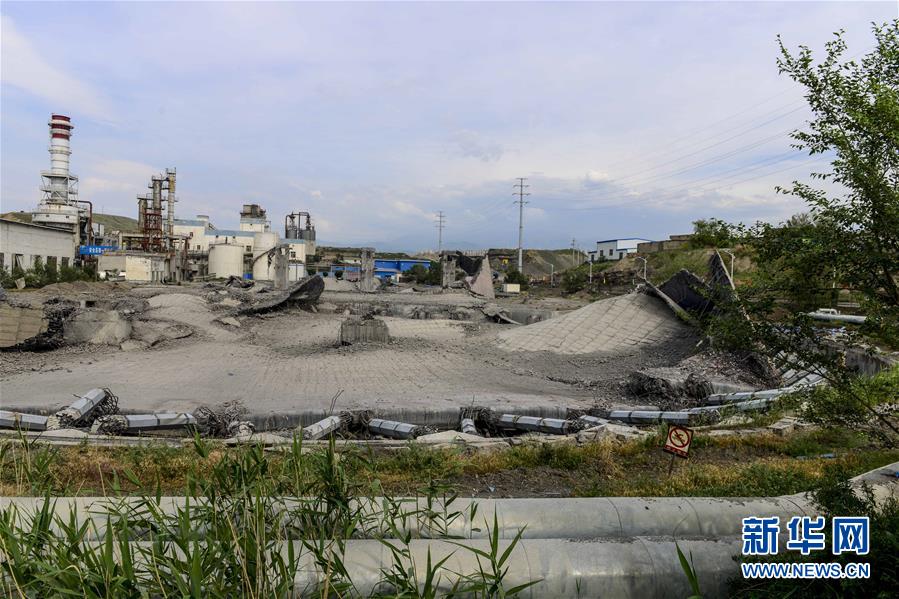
(94,250)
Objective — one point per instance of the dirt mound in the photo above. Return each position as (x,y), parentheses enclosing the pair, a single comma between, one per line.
(612,325)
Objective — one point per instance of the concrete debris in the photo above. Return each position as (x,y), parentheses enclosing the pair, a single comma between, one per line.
(689,292)
(22,421)
(617,432)
(498,314)
(100,327)
(396,430)
(239,283)
(20,324)
(590,421)
(87,408)
(241,428)
(363,330)
(119,424)
(480,282)
(216,422)
(133,345)
(326,427)
(23,327)
(230,321)
(646,385)
(304,292)
(452,437)
(787,425)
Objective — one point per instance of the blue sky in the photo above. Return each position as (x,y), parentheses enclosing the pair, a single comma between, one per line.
(629,119)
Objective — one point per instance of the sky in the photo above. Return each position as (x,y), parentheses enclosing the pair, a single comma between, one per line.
(627,119)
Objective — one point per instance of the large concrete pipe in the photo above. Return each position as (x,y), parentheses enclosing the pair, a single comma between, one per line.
(575,518)
(638,567)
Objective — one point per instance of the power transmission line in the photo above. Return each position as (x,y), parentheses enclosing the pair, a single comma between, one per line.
(441,222)
(520,201)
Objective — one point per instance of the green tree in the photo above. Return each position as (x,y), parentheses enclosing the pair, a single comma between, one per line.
(852,240)
(574,279)
(514,276)
(712,232)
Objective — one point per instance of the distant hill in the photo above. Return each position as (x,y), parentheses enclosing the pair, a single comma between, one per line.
(112,222)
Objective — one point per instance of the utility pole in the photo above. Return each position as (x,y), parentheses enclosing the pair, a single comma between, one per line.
(441,222)
(573,248)
(520,187)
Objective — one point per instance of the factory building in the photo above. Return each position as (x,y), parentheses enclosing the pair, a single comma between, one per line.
(22,243)
(214,252)
(163,249)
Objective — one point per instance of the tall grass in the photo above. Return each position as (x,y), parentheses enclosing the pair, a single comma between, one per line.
(243,531)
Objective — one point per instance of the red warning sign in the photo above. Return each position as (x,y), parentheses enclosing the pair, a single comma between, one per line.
(678,441)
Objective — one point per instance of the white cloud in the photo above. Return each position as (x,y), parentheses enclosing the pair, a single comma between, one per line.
(117,176)
(24,68)
(410,209)
(471,144)
(595,176)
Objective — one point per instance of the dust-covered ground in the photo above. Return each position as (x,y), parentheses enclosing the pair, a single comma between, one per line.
(181,355)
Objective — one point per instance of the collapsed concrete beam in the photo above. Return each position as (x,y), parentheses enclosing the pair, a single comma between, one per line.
(395,430)
(829,317)
(25,422)
(322,428)
(810,380)
(591,421)
(82,408)
(117,424)
(468,427)
(655,416)
(740,406)
(551,426)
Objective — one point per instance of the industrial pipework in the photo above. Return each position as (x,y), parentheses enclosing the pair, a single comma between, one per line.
(292,224)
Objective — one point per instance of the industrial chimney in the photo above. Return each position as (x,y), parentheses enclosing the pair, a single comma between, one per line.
(59,204)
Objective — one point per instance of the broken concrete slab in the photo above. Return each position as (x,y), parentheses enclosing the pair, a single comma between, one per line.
(449,437)
(481,282)
(133,345)
(230,321)
(618,432)
(304,292)
(363,330)
(263,438)
(614,325)
(20,324)
(100,327)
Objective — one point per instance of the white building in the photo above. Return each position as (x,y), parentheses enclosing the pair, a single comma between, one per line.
(21,243)
(136,267)
(615,249)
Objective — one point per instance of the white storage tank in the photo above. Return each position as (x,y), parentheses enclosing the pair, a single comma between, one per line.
(225,260)
(263,242)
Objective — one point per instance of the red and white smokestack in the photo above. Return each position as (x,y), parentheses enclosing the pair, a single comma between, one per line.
(60,134)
